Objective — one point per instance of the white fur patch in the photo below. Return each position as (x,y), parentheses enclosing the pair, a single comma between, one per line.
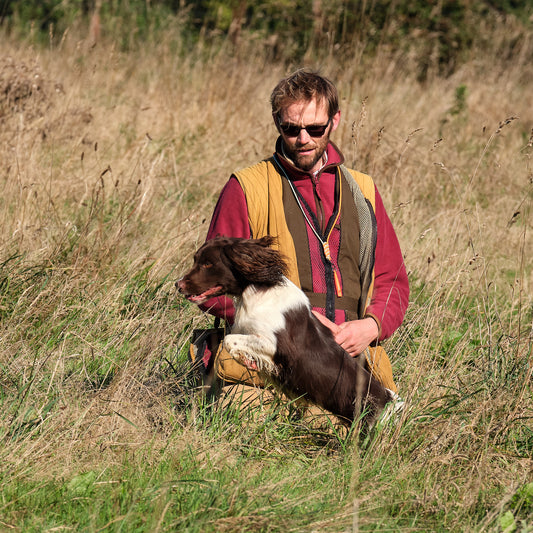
(259,315)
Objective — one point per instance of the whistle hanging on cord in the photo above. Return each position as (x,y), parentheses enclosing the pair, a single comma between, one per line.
(338,286)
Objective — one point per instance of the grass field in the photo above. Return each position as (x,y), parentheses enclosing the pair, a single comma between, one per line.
(110,165)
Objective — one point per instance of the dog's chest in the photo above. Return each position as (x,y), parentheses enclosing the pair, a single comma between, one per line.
(260,311)
(257,315)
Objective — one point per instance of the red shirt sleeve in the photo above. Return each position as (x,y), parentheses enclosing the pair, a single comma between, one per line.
(230,219)
(391,286)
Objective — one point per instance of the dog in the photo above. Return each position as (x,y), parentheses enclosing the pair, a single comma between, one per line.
(275,332)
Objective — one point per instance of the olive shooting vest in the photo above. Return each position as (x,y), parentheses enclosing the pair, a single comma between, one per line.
(273,210)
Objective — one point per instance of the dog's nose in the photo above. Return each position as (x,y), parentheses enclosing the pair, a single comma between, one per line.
(180,285)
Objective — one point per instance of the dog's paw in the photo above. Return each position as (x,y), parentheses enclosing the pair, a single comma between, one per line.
(252,351)
(239,349)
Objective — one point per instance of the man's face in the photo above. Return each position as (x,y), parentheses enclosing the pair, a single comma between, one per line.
(303,149)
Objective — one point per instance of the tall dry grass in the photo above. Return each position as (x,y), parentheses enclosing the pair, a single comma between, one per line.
(111,164)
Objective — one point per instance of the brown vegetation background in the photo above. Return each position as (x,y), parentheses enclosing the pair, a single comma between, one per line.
(110,165)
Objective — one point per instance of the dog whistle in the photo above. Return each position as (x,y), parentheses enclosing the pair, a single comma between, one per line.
(338,286)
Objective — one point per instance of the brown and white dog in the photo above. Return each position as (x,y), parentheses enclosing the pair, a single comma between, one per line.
(275,331)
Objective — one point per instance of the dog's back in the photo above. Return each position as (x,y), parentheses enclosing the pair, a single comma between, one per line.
(313,365)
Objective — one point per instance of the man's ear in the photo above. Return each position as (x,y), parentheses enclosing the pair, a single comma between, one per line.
(335,120)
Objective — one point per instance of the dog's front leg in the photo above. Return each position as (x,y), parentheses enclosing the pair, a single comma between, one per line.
(252,351)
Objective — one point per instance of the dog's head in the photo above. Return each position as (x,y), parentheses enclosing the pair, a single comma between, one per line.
(229,265)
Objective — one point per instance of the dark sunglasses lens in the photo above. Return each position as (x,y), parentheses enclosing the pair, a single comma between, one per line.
(316,130)
(290,129)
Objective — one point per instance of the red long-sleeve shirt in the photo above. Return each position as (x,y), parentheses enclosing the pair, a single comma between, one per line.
(391,287)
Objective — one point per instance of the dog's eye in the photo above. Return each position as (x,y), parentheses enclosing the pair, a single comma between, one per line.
(206,265)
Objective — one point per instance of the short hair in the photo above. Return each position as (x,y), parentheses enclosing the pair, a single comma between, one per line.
(304,85)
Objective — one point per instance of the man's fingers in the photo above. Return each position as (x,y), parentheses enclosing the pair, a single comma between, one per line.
(346,334)
(327,322)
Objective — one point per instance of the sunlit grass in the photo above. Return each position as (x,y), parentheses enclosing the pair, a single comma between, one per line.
(110,171)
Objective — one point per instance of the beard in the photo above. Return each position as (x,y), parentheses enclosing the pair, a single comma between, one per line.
(306,161)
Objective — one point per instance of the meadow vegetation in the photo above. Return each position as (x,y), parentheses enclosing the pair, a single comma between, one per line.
(111,160)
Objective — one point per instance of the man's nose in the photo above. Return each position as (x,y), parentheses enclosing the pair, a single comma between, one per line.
(303,137)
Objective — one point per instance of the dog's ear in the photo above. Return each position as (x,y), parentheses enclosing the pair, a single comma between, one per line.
(254,260)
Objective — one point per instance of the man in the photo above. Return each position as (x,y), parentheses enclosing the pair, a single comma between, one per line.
(329,222)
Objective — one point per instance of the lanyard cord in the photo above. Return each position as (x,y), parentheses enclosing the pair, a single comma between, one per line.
(325,243)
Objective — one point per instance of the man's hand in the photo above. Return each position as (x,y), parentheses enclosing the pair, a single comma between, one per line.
(354,336)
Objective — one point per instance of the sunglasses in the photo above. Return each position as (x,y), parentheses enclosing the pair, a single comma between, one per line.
(314,130)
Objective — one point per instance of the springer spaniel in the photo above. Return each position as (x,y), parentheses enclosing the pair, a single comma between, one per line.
(275,331)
